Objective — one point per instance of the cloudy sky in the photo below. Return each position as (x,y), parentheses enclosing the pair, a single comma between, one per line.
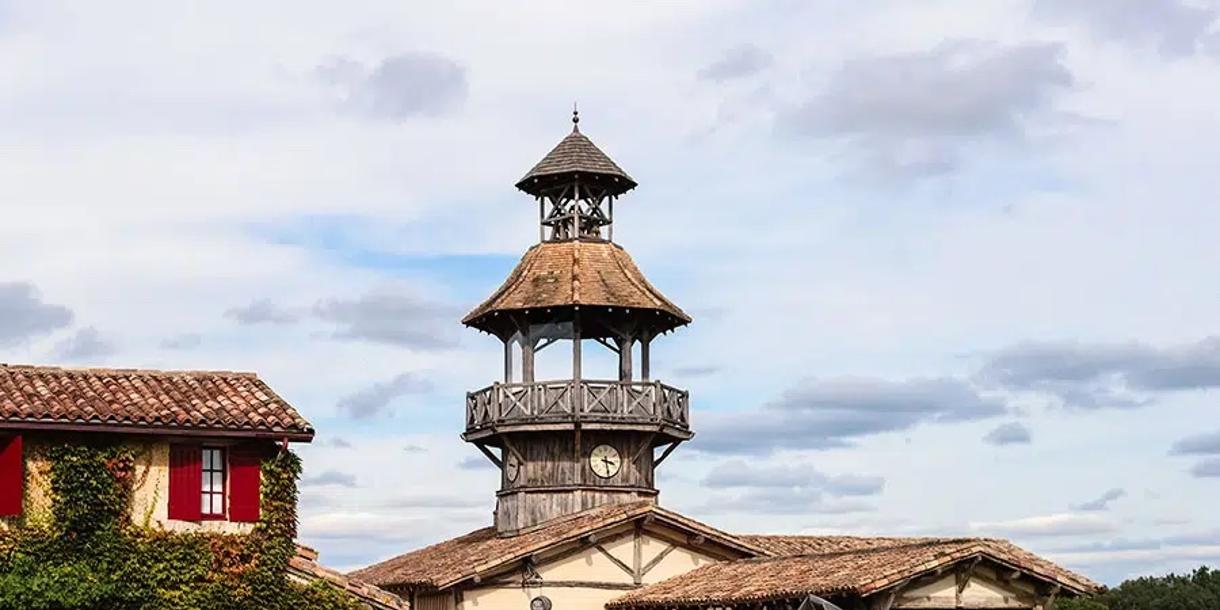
(953,266)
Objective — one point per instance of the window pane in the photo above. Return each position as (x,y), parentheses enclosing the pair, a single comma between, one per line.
(205,505)
(218,482)
(207,459)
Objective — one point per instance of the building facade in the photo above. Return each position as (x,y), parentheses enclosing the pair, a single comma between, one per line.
(195,445)
(197,438)
(577,525)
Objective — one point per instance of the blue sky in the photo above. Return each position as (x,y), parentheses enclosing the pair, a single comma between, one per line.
(952,265)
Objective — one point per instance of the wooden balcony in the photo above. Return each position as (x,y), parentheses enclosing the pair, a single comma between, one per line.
(594,403)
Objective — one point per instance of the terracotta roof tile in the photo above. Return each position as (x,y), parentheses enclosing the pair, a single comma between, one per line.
(595,273)
(441,565)
(145,399)
(828,565)
(305,566)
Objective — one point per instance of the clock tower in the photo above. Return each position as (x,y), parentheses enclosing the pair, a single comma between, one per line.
(581,440)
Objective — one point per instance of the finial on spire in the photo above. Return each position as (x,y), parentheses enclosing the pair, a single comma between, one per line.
(575,118)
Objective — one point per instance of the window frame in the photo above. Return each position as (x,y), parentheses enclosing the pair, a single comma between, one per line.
(221,468)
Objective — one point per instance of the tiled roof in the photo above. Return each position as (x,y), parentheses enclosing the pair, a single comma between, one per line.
(238,404)
(305,566)
(556,274)
(829,565)
(576,154)
(447,563)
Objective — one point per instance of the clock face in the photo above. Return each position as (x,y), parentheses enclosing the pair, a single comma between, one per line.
(605,461)
(540,603)
(512,467)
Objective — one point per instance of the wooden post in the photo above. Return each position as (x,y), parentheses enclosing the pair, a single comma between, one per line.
(637,563)
(611,218)
(576,348)
(645,341)
(541,218)
(508,360)
(624,357)
(527,358)
(576,211)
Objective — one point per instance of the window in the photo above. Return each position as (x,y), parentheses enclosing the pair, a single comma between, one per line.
(212,504)
(215,483)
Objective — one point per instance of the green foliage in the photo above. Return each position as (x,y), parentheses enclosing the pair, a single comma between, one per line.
(1080,604)
(1197,591)
(91,556)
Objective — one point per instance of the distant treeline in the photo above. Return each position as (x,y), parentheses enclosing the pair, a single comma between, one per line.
(1197,591)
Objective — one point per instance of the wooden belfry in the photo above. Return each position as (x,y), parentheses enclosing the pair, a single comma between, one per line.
(569,444)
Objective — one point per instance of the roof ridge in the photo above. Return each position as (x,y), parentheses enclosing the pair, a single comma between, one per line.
(881,537)
(40,368)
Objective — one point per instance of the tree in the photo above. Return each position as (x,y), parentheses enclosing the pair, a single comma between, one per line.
(1197,591)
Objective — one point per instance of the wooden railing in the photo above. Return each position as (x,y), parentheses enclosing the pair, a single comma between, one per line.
(585,400)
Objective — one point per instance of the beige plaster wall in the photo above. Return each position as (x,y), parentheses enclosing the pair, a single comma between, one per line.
(517,598)
(436,601)
(983,590)
(562,578)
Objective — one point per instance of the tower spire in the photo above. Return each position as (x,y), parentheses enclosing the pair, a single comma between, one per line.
(575,185)
(585,440)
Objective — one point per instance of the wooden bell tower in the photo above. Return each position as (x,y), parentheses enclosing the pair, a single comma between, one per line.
(580,441)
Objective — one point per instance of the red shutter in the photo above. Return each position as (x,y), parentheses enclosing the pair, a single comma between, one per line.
(12,476)
(185,482)
(245,465)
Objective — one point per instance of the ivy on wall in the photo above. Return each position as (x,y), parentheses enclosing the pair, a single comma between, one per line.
(86,554)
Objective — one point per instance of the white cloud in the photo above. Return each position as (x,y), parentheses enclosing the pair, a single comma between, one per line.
(24,315)
(398,87)
(372,400)
(1061,524)
(1011,433)
(147,200)
(1175,28)
(85,345)
(915,113)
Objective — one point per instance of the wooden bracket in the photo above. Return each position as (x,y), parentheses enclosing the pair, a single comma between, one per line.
(1048,598)
(655,561)
(665,454)
(964,573)
(886,601)
(491,456)
(607,344)
(615,560)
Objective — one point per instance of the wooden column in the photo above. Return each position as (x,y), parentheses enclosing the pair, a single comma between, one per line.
(576,348)
(611,236)
(527,358)
(645,361)
(624,343)
(541,218)
(508,360)
(576,211)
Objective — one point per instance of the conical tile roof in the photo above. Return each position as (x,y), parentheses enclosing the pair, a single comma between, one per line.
(575,273)
(576,155)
